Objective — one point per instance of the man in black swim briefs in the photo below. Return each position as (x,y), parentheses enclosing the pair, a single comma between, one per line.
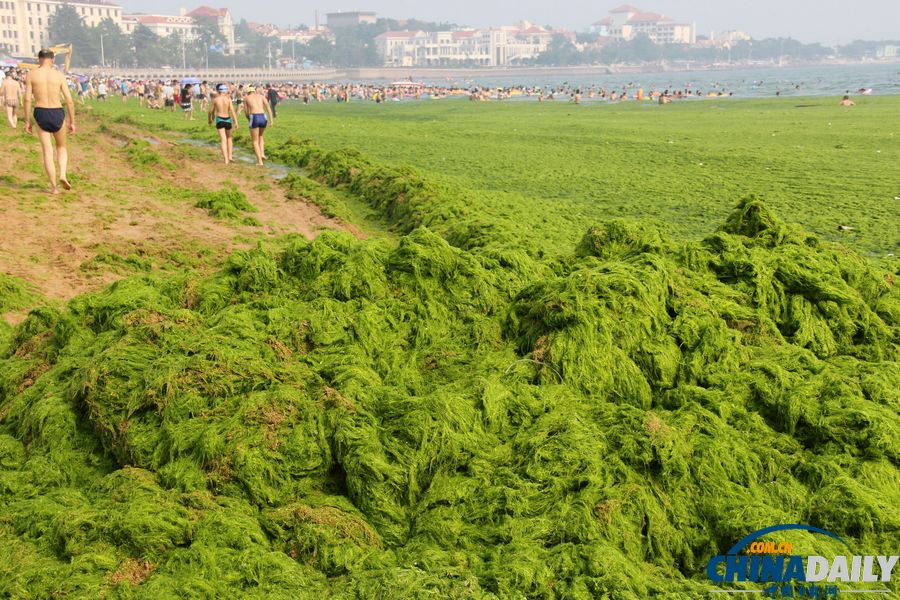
(47,86)
(222,110)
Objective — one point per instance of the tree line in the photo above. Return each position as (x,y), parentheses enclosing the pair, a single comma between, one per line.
(641,49)
(105,44)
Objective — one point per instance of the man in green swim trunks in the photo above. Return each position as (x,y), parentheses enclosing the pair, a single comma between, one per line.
(48,86)
(222,112)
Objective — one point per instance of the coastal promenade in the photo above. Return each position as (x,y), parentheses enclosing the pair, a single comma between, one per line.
(373,73)
(213,74)
(399,73)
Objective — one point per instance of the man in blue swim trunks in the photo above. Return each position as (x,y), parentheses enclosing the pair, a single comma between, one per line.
(47,86)
(222,111)
(257,108)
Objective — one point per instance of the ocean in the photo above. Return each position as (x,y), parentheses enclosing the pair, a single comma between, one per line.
(822,80)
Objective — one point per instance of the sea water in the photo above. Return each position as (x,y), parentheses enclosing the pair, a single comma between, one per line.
(822,80)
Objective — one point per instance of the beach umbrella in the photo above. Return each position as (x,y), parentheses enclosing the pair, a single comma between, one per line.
(188,80)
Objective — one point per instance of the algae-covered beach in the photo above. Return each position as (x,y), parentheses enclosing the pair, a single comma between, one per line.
(453,350)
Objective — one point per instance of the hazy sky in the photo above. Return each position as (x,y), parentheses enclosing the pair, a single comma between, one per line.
(828,21)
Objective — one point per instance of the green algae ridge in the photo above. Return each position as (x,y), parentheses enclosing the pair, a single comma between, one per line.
(346,418)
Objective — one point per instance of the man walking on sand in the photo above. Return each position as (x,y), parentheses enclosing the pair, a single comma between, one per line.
(222,110)
(257,109)
(47,85)
(11,93)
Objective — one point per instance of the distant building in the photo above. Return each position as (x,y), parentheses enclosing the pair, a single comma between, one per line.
(493,47)
(343,20)
(627,22)
(222,18)
(725,39)
(887,51)
(732,37)
(162,25)
(184,24)
(25,24)
(298,36)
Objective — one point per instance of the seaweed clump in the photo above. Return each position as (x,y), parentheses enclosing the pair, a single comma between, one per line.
(227,204)
(370,419)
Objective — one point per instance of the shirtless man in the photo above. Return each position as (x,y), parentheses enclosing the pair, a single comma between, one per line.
(11,93)
(204,96)
(47,85)
(257,108)
(222,110)
(141,90)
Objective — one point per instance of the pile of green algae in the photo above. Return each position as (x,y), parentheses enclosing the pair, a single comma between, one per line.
(451,415)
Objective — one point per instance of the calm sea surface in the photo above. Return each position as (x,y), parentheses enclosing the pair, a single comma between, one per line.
(829,80)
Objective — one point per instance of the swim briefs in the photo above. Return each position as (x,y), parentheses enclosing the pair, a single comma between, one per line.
(50,119)
(258,121)
(223,123)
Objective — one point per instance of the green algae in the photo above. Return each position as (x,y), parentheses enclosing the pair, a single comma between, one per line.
(15,295)
(560,169)
(326,199)
(228,205)
(420,418)
(141,155)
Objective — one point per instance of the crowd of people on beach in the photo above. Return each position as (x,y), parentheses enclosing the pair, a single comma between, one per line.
(170,95)
(46,88)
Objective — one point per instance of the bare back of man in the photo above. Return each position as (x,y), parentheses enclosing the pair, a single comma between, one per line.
(222,111)
(10,94)
(260,115)
(48,87)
